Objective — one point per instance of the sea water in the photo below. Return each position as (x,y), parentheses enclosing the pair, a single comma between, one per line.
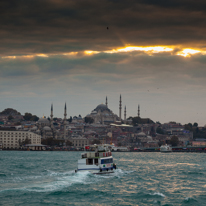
(49,178)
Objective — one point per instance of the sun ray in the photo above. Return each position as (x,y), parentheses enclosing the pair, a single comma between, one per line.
(150,50)
(188,52)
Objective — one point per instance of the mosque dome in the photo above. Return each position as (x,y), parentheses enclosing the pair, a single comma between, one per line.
(47,128)
(43,121)
(101,107)
(149,137)
(141,134)
(34,128)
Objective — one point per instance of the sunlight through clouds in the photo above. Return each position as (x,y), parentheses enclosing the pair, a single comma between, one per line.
(91,52)
(185,52)
(155,49)
(189,52)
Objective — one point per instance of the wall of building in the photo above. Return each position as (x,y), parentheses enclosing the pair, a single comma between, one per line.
(79,142)
(10,139)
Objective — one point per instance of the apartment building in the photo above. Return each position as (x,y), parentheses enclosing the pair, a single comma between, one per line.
(10,139)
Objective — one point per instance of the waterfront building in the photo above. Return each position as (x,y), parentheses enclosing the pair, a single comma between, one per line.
(79,141)
(10,138)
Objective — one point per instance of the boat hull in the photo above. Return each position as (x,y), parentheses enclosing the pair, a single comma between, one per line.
(165,151)
(97,172)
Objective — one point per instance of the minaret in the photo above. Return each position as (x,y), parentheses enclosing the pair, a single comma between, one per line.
(65,119)
(51,116)
(125,113)
(106,102)
(120,108)
(138,114)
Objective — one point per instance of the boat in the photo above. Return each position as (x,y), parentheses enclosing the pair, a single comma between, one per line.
(119,149)
(97,159)
(165,148)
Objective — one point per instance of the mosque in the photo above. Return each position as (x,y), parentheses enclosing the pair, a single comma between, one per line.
(101,115)
(46,129)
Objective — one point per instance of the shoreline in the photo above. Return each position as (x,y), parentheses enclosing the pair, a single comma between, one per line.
(157,151)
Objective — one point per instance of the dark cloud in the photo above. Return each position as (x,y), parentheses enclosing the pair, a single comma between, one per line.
(53,26)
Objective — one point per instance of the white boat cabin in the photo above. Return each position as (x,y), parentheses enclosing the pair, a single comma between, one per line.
(99,161)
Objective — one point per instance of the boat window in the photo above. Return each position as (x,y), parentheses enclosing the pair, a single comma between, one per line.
(89,161)
(106,161)
(95,161)
(84,155)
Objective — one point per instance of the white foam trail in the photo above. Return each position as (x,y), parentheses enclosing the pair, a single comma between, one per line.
(62,182)
(158,194)
(54,174)
(187,199)
(55,181)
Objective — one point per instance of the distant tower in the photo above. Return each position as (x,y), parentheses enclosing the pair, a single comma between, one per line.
(125,113)
(65,119)
(106,102)
(138,114)
(51,116)
(120,107)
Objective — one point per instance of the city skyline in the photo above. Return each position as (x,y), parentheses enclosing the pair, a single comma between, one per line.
(152,53)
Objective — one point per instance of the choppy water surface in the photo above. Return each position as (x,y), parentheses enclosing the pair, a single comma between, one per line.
(48,178)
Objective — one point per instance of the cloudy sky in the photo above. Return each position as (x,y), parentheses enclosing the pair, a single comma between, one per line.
(153,53)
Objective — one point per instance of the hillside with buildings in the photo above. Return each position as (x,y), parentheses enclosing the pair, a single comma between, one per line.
(100,126)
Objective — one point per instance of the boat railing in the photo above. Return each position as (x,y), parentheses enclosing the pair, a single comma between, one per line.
(96,154)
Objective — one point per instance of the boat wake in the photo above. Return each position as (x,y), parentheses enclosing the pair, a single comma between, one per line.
(52,181)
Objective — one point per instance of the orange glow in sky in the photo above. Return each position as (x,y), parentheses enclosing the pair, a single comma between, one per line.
(185,52)
(189,52)
(154,49)
(91,52)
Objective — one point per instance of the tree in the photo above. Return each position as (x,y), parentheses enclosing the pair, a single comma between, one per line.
(10,117)
(139,120)
(27,116)
(89,120)
(51,141)
(188,127)
(10,111)
(70,119)
(159,130)
(172,122)
(174,140)
(34,118)
(26,141)
(195,124)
